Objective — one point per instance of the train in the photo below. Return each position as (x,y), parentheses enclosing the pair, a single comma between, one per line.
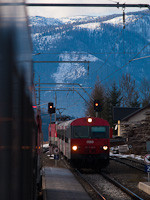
(85,142)
(20,123)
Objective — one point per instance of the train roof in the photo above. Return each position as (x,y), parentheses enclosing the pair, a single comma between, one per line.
(83,122)
(63,125)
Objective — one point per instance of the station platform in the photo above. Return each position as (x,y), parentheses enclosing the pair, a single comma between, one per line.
(60,183)
(145,186)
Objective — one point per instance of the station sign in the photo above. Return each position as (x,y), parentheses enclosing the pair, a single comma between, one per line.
(147,159)
(56,157)
(56,151)
(148,146)
(147,168)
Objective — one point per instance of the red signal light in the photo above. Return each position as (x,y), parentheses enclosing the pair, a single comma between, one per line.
(97,106)
(51,108)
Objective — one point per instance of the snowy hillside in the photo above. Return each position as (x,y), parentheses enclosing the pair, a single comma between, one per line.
(42,21)
(100,40)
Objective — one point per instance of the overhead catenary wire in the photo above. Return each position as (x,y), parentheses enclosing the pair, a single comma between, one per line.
(67,104)
(79,52)
(86,5)
(64,89)
(115,45)
(141,58)
(134,58)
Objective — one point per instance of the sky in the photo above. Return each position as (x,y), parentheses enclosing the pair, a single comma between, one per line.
(59,12)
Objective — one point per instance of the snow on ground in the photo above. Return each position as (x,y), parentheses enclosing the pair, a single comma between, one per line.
(45,145)
(138,157)
(91,26)
(67,72)
(78,18)
(119,20)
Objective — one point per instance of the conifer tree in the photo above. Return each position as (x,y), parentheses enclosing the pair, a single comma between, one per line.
(113,99)
(98,93)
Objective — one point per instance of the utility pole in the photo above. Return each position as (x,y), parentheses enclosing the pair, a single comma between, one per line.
(55,105)
(50,143)
(39,90)
(51,109)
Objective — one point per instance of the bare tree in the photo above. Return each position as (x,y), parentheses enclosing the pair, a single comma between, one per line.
(130,95)
(145,91)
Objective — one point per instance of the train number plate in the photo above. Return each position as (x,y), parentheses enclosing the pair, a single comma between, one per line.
(90,141)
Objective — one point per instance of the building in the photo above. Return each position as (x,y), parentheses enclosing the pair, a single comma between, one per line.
(135,127)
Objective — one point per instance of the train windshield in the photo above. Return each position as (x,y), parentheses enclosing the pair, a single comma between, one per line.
(99,132)
(81,131)
(90,132)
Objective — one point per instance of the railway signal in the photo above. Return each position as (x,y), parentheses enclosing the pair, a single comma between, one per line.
(97,106)
(51,108)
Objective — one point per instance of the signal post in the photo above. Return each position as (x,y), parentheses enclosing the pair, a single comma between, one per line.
(51,110)
(97,107)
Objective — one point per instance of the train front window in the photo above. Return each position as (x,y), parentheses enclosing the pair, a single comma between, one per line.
(81,131)
(99,132)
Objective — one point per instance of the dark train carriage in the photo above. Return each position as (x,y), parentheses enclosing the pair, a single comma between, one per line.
(18,128)
(86,141)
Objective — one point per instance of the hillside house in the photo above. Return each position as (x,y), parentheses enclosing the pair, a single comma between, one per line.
(136,118)
(135,127)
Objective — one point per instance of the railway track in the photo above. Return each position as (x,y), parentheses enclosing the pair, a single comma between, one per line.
(130,162)
(128,172)
(123,188)
(91,190)
(106,187)
(118,174)
(98,193)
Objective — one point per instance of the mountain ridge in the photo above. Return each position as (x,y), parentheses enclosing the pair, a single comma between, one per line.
(100,40)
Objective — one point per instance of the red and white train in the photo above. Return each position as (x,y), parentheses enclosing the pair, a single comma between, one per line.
(85,141)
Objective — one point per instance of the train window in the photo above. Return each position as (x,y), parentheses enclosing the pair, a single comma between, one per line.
(81,131)
(99,132)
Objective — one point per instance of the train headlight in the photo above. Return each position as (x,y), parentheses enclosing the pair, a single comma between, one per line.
(105,148)
(74,148)
(89,120)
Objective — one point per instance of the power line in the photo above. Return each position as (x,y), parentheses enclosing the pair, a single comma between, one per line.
(126,63)
(118,5)
(100,53)
(140,58)
(74,89)
(125,5)
(109,54)
(62,61)
(115,46)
